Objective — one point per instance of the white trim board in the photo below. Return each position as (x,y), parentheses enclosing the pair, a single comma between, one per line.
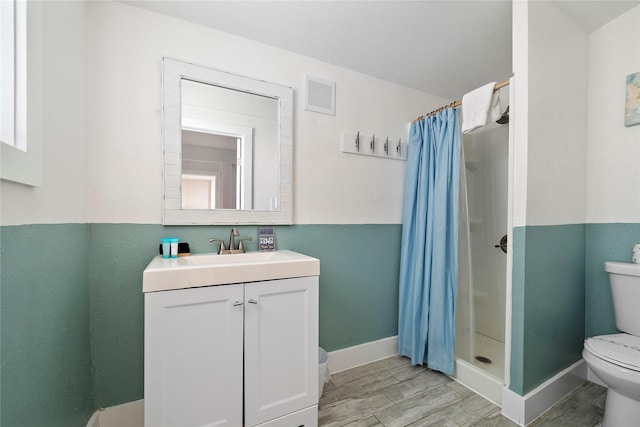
(358,355)
(126,414)
(524,409)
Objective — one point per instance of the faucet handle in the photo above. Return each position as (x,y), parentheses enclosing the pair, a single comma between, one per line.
(241,244)
(222,246)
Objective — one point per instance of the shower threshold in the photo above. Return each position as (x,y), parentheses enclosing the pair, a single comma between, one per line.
(480,381)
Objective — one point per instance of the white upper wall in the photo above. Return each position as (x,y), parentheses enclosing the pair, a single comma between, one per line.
(613,154)
(57,90)
(557,117)
(126,45)
(519,120)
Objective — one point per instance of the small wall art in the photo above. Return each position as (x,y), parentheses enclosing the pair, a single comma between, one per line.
(266,239)
(632,102)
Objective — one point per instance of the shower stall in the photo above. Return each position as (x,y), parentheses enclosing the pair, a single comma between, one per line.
(482,287)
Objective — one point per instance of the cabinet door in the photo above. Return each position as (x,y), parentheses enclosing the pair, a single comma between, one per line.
(193,357)
(281,348)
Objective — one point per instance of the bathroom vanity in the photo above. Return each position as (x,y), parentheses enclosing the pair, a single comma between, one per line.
(232,340)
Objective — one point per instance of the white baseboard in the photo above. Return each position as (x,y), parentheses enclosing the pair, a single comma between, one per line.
(132,413)
(129,414)
(522,410)
(358,355)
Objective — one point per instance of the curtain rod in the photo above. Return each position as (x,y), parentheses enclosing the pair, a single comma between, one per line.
(458,103)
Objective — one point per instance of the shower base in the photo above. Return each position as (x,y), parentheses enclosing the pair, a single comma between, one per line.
(486,379)
(491,349)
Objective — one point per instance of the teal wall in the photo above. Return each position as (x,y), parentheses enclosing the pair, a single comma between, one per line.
(548,302)
(605,242)
(359,269)
(561,294)
(72,319)
(44,326)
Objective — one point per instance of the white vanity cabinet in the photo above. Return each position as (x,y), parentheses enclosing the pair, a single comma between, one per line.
(233,355)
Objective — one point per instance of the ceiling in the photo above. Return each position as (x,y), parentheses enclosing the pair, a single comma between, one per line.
(445,48)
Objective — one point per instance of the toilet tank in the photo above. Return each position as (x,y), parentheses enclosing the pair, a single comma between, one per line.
(624,278)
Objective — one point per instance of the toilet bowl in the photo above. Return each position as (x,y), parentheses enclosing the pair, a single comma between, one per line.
(615,358)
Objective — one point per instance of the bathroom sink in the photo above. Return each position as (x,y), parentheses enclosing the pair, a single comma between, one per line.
(249,257)
(213,269)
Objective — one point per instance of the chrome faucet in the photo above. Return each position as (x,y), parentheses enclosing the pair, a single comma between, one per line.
(234,234)
(232,245)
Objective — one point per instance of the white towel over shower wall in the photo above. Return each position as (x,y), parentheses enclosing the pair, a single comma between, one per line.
(480,106)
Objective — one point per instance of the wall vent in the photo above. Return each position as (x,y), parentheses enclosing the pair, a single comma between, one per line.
(320,95)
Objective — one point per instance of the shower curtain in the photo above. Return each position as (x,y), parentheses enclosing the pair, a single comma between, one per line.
(429,252)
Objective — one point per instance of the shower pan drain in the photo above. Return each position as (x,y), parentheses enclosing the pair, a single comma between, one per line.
(483,359)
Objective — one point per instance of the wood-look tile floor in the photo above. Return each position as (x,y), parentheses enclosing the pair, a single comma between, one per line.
(393,393)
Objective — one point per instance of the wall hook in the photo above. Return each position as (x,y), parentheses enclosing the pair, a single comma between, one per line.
(387,147)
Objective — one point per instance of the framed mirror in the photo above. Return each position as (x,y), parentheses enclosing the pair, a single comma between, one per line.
(227,147)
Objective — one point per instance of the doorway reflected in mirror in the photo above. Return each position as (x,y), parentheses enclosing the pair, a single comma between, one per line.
(211,171)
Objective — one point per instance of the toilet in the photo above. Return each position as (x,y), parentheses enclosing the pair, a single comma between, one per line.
(615,358)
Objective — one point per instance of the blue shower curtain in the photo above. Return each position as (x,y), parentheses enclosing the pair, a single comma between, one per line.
(429,257)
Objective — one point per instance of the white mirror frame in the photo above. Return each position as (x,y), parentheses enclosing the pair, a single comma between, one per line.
(173,72)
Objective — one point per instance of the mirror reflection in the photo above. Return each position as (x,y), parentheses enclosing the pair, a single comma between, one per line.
(229,146)
(210,164)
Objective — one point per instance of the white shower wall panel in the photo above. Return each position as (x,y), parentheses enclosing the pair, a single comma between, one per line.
(487,179)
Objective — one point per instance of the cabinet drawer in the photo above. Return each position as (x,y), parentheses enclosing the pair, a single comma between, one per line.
(305,418)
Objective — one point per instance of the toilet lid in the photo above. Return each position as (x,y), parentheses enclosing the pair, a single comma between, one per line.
(620,349)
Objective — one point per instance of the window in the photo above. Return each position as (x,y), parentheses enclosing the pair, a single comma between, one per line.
(13,74)
(20,161)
